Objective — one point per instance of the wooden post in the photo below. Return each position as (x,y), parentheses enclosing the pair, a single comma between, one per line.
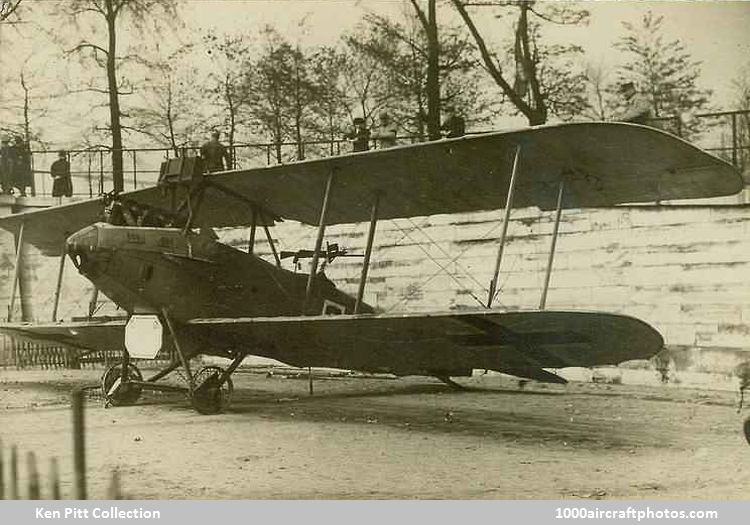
(368,254)
(13,473)
(60,271)
(318,243)
(79,444)
(16,271)
(54,474)
(504,232)
(114,491)
(555,230)
(33,474)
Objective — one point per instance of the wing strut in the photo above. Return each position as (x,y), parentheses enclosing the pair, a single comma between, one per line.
(60,271)
(272,245)
(504,232)
(253,226)
(555,230)
(16,273)
(318,242)
(368,253)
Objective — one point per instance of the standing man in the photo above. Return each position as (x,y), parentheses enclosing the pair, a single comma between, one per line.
(214,154)
(454,124)
(637,107)
(6,167)
(22,165)
(359,136)
(60,170)
(385,133)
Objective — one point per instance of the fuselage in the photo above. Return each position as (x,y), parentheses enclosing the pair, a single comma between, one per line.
(144,269)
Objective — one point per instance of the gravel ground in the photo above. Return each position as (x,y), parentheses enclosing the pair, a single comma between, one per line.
(364,438)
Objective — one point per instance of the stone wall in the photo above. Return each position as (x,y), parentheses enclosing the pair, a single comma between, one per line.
(684,269)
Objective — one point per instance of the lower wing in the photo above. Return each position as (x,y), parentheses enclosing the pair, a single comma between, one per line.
(518,343)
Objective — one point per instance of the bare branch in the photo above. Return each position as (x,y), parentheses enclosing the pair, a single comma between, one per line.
(85,45)
(7,9)
(489,63)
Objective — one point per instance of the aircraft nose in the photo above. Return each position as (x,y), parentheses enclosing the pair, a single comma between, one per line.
(82,242)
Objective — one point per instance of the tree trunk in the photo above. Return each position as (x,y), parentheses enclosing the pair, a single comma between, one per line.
(433,74)
(232,119)
(27,131)
(114,101)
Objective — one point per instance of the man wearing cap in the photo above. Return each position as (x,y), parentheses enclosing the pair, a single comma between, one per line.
(214,154)
(385,133)
(359,136)
(60,171)
(637,107)
(454,125)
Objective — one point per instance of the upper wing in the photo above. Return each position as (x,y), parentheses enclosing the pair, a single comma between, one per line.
(604,164)
(520,343)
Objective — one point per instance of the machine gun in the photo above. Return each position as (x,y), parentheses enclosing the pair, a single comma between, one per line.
(329,254)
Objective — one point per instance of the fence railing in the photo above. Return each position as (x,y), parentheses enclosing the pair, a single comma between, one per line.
(726,134)
(21,355)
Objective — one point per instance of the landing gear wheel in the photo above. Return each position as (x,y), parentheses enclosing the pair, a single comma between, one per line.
(208,397)
(747,430)
(118,393)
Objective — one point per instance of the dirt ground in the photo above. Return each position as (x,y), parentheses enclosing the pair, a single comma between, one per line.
(382,438)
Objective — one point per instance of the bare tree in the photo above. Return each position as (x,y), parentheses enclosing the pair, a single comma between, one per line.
(227,83)
(540,85)
(398,50)
(111,15)
(429,24)
(168,101)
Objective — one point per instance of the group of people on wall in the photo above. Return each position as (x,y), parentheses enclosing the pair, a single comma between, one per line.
(385,134)
(637,110)
(15,166)
(15,156)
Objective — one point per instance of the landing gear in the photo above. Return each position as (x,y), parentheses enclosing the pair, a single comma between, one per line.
(746,427)
(117,387)
(213,391)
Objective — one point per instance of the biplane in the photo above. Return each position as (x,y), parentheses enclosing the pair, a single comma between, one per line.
(187,293)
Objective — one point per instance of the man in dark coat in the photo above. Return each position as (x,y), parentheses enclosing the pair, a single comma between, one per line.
(214,154)
(60,171)
(454,124)
(359,136)
(22,165)
(6,166)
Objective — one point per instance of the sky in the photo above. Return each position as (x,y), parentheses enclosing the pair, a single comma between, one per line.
(716,32)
